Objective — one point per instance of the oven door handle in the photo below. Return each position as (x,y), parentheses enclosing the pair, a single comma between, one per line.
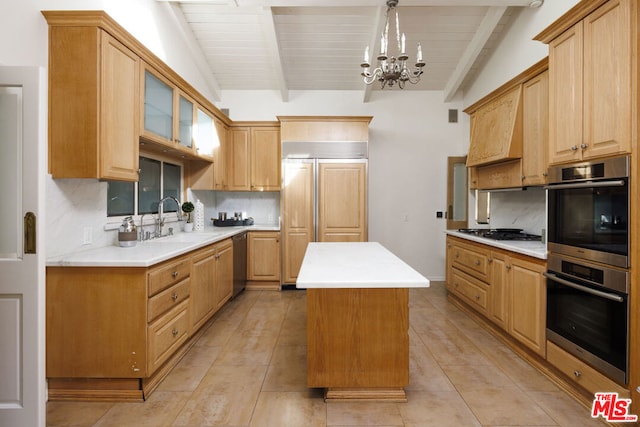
(606,295)
(616,183)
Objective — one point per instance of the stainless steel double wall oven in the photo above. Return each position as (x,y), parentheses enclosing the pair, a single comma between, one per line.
(588,277)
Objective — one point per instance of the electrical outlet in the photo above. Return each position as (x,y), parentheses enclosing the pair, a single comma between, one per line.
(87,236)
(439,214)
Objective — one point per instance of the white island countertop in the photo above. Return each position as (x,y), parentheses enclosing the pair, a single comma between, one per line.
(355,265)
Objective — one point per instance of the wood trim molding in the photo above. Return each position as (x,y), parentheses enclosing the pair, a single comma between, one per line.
(573,15)
(325,118)
(526,75)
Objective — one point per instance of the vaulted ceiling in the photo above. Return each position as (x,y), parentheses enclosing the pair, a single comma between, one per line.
(287,45)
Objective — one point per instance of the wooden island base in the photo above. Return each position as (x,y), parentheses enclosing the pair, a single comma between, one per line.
(358,343)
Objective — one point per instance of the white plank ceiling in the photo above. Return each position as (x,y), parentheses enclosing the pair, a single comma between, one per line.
(287,45)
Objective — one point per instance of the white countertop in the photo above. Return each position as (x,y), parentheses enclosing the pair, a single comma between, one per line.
(151,252)
(355,265)
(534,249)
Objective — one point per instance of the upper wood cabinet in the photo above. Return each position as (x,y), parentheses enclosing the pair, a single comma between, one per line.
(108,94)
(515,155)
(253,157)
(496,130)
(93,104)
(590,81)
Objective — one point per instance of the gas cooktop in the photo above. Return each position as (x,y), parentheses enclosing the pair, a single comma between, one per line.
(500,233)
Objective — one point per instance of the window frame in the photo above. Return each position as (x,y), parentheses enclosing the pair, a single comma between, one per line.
(113,222)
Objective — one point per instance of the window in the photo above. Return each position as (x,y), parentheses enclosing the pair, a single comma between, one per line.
(158,179)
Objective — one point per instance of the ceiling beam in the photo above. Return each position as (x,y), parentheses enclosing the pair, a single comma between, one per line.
(362,3)
(374,47)
(269,32)
(485,29)
(196,52)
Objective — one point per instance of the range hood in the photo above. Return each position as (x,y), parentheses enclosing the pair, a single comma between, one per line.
(496,130)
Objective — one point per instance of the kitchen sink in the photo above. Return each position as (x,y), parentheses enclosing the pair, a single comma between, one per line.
(185,238)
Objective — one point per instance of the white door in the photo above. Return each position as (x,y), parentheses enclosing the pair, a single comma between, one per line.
(22,258)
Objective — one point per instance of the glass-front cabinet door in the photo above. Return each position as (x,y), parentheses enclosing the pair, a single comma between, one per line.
(185,122)
(206,134)
(158,108)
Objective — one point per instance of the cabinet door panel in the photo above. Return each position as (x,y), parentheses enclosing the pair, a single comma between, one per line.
(535,129)
(499,290)
(265,159)
(238,165)
(264,256)
(342,201)
(203,278)
(224,273)
(119,109)
(565,93)
(297,216)
(607,80)
(528,304)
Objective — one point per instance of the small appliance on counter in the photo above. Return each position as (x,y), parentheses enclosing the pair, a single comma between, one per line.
(127,233)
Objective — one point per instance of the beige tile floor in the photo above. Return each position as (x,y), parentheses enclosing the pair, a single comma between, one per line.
(248,369)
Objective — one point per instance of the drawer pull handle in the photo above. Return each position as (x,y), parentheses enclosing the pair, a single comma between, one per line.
(174,296)
(508,267)
(477,262)
(174,332)
(477,297)
(577,373)
(174,274)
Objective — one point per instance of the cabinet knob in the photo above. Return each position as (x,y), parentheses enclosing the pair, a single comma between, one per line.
(174,296)
(490,260)
(477,262)
(457,254)
(583,146)
(508,267)
(477,297)
(574,148)
(174,332)
(577,373)
(174,274)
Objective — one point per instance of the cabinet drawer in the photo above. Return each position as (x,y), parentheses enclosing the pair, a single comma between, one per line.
(167,334)
(583,374)
(163,277)
(472,290)
(474,261)
(167,299)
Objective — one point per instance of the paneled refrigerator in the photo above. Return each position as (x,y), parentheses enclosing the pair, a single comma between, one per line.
(324,197)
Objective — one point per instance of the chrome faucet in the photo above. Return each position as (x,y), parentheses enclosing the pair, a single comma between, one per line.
(160,220)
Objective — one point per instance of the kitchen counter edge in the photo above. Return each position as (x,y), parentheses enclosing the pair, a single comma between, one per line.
(533,249)
(152,252)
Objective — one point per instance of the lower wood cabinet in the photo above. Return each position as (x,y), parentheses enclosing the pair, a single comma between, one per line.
(263,259)
(507,288)
(113,333)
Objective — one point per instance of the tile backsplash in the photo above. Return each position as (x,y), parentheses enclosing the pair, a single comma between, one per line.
(76,211)
(520,209)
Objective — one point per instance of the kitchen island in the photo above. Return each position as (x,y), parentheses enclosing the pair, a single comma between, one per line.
(357,320)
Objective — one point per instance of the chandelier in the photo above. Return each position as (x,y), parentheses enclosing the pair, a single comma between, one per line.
(392,69)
